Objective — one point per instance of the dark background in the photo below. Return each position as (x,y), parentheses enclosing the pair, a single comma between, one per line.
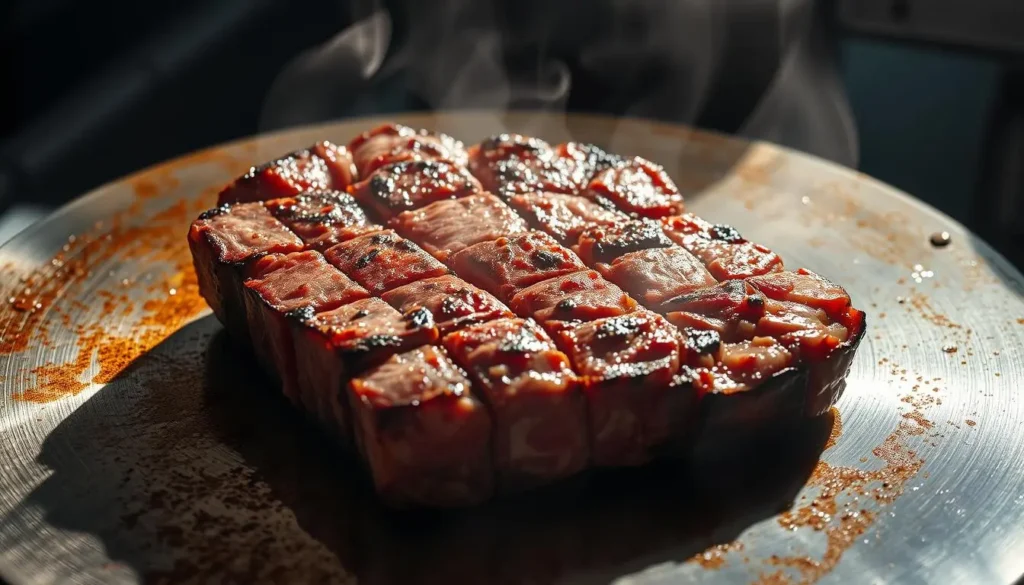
(95,90)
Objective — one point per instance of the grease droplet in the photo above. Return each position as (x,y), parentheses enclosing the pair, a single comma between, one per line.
(949,348)
(940,239)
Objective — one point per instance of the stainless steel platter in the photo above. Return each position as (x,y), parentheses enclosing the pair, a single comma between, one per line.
(136,445)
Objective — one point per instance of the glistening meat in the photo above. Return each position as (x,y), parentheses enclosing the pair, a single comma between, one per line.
(483,320)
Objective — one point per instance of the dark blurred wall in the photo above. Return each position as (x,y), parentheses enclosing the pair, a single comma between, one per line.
(923,118)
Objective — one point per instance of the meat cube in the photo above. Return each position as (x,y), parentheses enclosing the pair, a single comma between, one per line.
(587,159)
(580,296)
(401,186)
(424,435)
(731,309)
(721,248)
(606,243)
(235,234)
(453,302)
(445,227)
(222,241)
(510,145)
(511,163)
(333,346)
(280,287)
(563,216)
(806,331)
(637,186)
(752,389)
(323,166)
(628,364)
(392,143)
(322,219)
(804,287)
(754,361)
(656,275)
(537,410)
(812,317)
(507,265)
(382,261)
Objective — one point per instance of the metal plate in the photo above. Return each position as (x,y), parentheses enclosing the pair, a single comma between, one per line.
(136,445)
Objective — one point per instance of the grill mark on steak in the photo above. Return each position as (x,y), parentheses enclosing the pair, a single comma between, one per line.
(420,317)
(339,206)
(604,244)
(704,342)
(522,341)
(566,305)
(301,314)
(365,259)
(725,233)
(525,144)
(619,327)
(219,210)
(545,260)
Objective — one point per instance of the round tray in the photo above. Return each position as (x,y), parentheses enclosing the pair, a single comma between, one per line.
(137,445)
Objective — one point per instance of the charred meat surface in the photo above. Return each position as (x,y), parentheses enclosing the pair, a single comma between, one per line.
(725,253)
(332,346)
(393,143)
(238,233)
(628,364)
(731,309)
(322,219)
(563,216)
(511,163)
(452,302)
(445,227)
(580,296)
(807,288)
(288,282)
(603,244)
(383,260)
(587,159)
(655,275)
(808,313)
(401,186)
(321,167)
(637,187)
(538,413)
(222,241)
(281,285)
(425,437)
(507,265)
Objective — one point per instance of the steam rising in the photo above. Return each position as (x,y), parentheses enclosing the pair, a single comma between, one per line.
(805,107)
(652,58)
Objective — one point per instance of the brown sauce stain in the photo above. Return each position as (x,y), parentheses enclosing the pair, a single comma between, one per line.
(714,557)
(34,305)
(837,429)
(920,304)
(844,520)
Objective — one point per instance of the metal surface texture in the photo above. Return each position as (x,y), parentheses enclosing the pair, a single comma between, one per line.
(137,445)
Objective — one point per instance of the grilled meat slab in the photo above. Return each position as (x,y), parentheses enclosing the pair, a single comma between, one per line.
(473,321)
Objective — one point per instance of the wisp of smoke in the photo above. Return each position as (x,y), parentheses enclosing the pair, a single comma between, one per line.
(461,54)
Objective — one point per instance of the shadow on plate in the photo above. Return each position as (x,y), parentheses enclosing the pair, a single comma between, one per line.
(188,468)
